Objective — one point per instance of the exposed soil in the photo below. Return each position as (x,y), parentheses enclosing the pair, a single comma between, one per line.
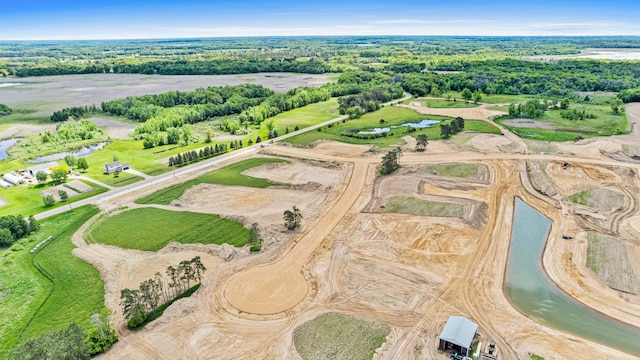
(406,271)
(115,129)
(527,123)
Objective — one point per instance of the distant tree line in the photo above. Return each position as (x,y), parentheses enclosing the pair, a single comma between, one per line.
(70,343)
(146,303)
(174,67)
(531,109)
(629,95)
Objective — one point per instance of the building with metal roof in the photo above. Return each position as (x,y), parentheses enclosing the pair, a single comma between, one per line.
(458,334)
(33,170)
(13,179)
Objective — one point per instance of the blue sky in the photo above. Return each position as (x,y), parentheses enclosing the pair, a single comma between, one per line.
(135,19)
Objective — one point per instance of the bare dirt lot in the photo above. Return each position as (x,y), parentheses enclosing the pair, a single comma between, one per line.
(408,272)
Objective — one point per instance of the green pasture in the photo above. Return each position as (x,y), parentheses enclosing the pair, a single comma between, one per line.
(150,229)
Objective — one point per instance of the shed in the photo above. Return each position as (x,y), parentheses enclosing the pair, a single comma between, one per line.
(458,334)
(42,167)
(13,179)
(115,166)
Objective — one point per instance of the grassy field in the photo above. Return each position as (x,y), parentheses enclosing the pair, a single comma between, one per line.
(411,205)
(494,99)
(150,229)
(454,170)
(228,175)
(601,199)
(607,258)
(605,124)
(338,336)
(26,199)
(448,103)
(392,115)
(33,303)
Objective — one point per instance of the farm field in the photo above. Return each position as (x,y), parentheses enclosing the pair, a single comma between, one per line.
(154,228)
(31,302)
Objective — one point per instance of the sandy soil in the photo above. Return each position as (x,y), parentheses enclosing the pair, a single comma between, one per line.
(481,112)
(409,272)
(527,123)
(22,130)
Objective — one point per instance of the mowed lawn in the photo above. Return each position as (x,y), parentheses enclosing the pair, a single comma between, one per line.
(150,229)
(228,175)
(34,303)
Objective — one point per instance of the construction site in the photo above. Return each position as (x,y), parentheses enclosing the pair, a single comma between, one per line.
(386,260)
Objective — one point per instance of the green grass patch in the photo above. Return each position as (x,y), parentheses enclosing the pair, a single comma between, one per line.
(606,123)
(150,229)
(68,289)
(481,127)
(411,205)
(454,170)
(228,175)
(338,336)
(26,199)
(533,356)
(392,115)
(495,98)
(448,104)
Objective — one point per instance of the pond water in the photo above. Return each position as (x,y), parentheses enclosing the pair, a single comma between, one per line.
(4,145)
(417,125)
(85,150)
(531,291)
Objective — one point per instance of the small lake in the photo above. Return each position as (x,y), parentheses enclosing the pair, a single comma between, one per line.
(531,291)
(416,125)
(5,145)
(85,150)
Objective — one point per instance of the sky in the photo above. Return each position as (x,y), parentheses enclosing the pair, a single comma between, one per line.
(142,19)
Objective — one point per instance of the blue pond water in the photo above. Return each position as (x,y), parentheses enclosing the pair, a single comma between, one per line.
(85,150)
(531,291)
(4,145)
(417,125)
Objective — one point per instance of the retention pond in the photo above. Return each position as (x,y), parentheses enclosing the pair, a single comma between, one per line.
(531,291)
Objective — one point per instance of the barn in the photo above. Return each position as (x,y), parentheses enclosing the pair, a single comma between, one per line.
(458,335)
(13,179)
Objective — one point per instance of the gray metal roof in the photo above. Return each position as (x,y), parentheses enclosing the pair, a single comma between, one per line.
(45,166)
(459,331)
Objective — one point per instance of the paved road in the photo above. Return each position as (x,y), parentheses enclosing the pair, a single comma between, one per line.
(191,168)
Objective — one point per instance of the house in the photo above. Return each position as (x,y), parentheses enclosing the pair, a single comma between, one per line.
(458,334)
(114,167)
(13,179)
(42,167)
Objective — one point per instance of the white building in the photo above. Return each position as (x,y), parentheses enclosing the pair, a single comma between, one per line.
(13,179)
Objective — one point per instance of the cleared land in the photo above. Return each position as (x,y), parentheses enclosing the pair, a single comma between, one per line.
(597,198)
(50,289)
(338,336)
(455,170)
(608,258)
(151,229)
(228,175)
